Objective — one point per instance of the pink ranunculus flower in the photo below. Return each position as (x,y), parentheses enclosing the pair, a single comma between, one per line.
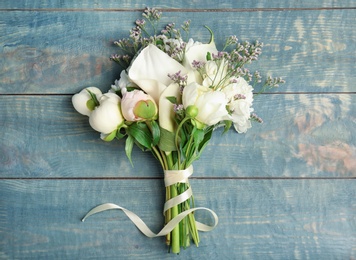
(138,106)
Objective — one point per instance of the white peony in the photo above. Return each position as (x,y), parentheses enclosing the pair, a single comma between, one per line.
(107,117)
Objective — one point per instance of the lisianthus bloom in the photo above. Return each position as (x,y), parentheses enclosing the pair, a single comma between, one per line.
(210,104)
(83,102)
(107,117)
(240,96)
(215,74)
(138,106)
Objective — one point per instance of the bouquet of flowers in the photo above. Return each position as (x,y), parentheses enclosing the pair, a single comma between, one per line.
(171,96)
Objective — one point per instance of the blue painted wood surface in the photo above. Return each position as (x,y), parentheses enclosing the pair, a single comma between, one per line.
(286,189)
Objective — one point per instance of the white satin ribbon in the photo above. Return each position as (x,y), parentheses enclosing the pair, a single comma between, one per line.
(175,176)
(170,177)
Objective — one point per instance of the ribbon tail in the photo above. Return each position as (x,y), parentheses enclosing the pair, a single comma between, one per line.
(143,227)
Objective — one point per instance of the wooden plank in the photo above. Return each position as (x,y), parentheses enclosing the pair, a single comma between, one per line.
(206,4)
(259,219)
(62,52)
(304,135)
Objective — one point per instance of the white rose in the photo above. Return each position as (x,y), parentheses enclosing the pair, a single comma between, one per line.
(211,104)
(81,100)
(107,117)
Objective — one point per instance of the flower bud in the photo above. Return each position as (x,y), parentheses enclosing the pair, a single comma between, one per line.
(107,117)
(138,106)
(192,111)
(83,102)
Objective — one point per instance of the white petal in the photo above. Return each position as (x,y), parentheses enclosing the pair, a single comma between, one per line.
(80,100)
(150,70)
(198,53)
(166,112)
(106,118)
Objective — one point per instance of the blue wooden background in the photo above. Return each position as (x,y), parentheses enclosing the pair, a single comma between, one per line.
(284,190)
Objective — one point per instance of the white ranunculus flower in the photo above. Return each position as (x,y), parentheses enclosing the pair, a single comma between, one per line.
(107,117)
(137,106)
(80,100)
(150,71)
(211,104)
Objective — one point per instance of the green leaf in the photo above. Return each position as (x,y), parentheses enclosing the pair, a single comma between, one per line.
(227,126)
(198,136)
(156,132)
(94,98)
(128,147)
(110,137)
(166,141)
(208,56)
(207,137)
(141,133)
(172,99)
(159,42)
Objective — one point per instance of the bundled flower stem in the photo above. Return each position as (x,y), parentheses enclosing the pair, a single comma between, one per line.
(171,96)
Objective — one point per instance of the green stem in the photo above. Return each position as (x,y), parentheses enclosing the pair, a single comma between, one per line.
(175,232)
(176,140)
(187,154)
(159,157)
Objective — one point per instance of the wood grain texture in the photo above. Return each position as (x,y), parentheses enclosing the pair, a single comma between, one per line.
(43,136)
(50,52)
(259,219)
(184,4)
(284,190)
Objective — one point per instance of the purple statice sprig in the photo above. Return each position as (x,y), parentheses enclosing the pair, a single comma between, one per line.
(179,79)
(256,118)
(145,32)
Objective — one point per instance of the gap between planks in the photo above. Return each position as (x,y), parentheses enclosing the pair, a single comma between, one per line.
(255,93)
(191,178)
(222,10)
